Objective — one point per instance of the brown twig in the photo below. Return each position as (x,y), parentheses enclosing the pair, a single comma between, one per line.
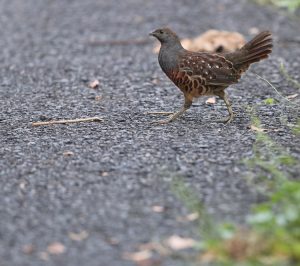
(67,121)
(119,42)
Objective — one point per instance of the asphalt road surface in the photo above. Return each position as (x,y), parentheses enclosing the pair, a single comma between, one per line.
(102,179)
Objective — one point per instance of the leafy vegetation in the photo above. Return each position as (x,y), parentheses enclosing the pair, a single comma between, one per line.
(284,72)
(272,234)
(269,157)
(296,129)
(269,101)
(290,5)
(192,202)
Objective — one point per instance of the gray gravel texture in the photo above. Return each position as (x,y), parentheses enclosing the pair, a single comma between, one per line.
(122,167)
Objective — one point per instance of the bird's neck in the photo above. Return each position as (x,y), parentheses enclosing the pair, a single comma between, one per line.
(168,56)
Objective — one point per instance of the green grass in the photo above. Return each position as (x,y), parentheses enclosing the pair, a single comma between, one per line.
(290,5)
(296,128)
(291,80)
(272,234)
(270,101)
(269,158)
(206,226)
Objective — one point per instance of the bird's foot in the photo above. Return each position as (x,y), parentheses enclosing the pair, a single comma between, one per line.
(172,116)
(162,122)
(226,120)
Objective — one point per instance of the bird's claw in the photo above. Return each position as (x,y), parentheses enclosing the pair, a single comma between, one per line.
(226,120)
(164,121)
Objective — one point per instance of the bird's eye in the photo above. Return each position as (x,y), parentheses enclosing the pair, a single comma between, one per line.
(161,31)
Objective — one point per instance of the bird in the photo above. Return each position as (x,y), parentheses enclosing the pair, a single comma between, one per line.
(199,74)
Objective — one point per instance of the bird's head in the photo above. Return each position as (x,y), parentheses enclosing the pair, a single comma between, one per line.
(165,35)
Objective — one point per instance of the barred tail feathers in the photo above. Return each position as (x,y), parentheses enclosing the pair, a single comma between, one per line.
(255,50)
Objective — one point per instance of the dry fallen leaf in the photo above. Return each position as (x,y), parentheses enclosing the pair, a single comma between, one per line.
(149,262)
(103,173)
(98,98)
(68,153)
(211,100)
(253,30)
(28,249)
(78,236)
(292,96)
(192,216)
(208,257)
(158,209)
(56,248)
(94,84)
(179,243)
(23,184)
(189,218)
(212,41)
(258,129)
(155,81)
(138,256)
(155,246)
(113,241)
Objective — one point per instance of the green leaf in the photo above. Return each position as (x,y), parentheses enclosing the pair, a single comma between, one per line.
(269,101)
(261,217)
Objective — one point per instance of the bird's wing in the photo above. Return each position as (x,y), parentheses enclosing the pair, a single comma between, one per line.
(209,69)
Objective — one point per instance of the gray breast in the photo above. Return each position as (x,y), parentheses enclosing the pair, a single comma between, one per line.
(168,58)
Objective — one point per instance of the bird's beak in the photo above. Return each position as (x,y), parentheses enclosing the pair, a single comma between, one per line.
(152,33)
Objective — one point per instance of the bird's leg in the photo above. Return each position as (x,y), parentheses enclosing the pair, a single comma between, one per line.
(224,97)
(187,105)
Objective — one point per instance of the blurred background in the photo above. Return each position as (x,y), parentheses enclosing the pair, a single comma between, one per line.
(122,192)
